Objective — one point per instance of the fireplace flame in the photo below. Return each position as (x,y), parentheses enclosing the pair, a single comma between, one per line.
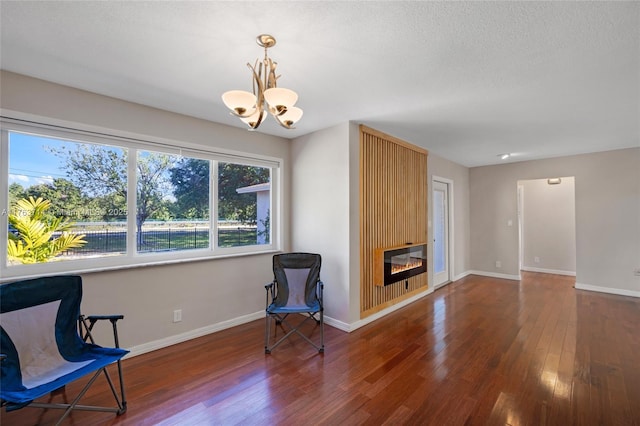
(411,263)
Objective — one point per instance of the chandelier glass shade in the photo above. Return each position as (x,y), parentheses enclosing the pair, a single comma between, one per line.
(252,108)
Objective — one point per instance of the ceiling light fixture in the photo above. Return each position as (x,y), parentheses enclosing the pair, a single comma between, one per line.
(504,156)
(250,107)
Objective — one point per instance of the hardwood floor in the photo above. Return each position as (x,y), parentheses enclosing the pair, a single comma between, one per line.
(481,351)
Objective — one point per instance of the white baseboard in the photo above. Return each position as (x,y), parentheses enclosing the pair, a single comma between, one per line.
(371,318)
(340,325)
(461,276)
(203,331)
(609,290)
(495,275)
(192,334)
(549,271)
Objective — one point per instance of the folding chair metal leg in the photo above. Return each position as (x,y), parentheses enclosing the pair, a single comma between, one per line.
(294,329)
(75,406)
(120,400)
(85,333)
(321,331)
(267,335)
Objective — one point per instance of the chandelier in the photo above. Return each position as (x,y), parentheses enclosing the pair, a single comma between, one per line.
(251,107)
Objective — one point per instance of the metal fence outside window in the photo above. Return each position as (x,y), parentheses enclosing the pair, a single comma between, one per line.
(103,238)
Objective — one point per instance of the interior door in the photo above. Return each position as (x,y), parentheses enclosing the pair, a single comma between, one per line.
(440,233)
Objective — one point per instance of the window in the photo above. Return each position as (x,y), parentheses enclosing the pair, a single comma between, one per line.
(77,201)
(172,203)
(84,186)
(244,205)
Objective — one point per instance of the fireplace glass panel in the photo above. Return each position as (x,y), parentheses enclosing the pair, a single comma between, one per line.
(405,262)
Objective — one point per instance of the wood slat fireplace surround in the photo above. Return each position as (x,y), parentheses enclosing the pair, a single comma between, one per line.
(393,211)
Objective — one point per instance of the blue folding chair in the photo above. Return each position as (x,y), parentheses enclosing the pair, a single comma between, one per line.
(296,289)
(46,344)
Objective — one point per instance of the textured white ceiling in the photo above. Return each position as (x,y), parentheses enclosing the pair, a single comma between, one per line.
(466,80)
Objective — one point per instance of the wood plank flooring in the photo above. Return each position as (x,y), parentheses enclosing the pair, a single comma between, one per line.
(481,351)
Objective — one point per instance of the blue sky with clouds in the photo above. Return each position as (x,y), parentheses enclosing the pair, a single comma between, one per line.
(29,161)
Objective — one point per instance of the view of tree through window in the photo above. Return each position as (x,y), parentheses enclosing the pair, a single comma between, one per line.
(172,207)
(243,205)
(85,185)
(80,191)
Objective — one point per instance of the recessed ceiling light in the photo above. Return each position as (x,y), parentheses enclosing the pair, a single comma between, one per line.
(504,156)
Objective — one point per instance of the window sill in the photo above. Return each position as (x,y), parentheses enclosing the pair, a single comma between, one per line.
(164,262)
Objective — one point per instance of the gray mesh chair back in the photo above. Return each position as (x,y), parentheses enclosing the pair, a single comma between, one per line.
(296,289)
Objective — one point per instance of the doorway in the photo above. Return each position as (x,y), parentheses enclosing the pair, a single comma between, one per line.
(547,225)
(442,230)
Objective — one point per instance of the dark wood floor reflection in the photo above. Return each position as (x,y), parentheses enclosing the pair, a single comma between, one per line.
(479,351)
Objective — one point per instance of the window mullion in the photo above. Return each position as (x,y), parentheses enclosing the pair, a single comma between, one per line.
(213,216)
(4,196)
(132,184)
(276,204)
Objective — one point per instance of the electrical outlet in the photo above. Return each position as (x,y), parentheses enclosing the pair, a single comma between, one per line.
(177,315)
(536,259)
(498,264)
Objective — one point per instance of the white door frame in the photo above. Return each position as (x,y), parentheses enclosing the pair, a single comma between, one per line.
(450,245)
(520,214)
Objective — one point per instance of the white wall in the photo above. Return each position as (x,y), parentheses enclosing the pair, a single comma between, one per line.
(607,203)
(320,194)
(438,166)
(549,226)
(211,293)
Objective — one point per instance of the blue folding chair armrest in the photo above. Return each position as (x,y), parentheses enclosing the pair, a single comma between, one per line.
(85,330)
(105,317)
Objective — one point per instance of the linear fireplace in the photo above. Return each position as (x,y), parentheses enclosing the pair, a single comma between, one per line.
(399,263)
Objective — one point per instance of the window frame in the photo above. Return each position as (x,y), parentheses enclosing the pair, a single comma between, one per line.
(133,143)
